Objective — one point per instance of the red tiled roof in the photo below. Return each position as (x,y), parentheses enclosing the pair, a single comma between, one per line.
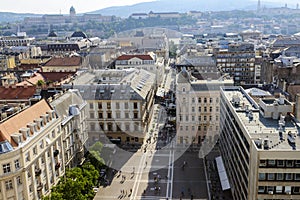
(56,76)
(66,61)
(13,124)
(17,92)
(32,81)
(128,57)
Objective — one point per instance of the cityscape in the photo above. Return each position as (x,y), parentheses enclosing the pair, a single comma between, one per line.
(146,101)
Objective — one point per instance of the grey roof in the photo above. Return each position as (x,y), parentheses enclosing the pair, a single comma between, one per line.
(208,87)
(183,76)
(108,92)
(62,104)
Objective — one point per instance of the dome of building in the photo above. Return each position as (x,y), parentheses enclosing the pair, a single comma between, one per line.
(78,34)
(72,9)
(52,34)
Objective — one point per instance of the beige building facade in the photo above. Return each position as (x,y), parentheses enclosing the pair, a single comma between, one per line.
(259,146)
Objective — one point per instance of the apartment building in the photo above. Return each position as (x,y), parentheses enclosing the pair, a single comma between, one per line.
(197,108)
(72,109)
(31,153)
(259,146)
(38,143)
(119,107)
(238,60)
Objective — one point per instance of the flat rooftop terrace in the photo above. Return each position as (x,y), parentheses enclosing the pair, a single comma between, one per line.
(260,129)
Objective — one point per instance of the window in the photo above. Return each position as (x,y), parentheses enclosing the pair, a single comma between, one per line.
(210,100)
(183,89)
(205,118)
(186,128)
(261,189)
(193,118)
(271,176)
(180,117)
(217,109)
(193,100)
(101,124)
(91,106)
(210,118)
(53,134)
(199,100)
(263,163)
(199,118)
(135,105)
(135,115)
(261,176)
(8,185)
(19,182)
(127,115)
(92,127)
(278,189)
(205,109)
(34,150)
(288,176)
(181,128)
(280,163)
(118,115)
(210,109)
(127,127)
(217,117)
(296,190)
(42,144)
(117,105)
(100,115)
(193,128)
(271,162)
(289,163)
(204,128)
(92,115)
(205,100)
(297,177)
(199,128)
(6,168)
(17,164)
(199,109)
(126,105)
(186,118)
(108,105)
(287,189)
(193,109)
(270,189)
(99,105)
(109,115)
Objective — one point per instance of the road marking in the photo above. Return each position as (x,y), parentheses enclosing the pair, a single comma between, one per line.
(138,176)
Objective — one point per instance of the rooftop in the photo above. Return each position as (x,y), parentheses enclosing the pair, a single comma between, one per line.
(15,123)
(265,132)
(66,61)
(128,57)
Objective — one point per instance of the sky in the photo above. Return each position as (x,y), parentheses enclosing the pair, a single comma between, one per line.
(60,6)
(81,6)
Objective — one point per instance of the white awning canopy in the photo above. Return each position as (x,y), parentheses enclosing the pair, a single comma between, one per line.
(222,174)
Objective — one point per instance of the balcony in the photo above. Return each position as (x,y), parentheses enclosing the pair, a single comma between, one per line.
(55,153)
(57,166)
(39,187)
(38,172)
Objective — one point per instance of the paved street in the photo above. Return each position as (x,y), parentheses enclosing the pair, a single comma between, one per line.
(156,170)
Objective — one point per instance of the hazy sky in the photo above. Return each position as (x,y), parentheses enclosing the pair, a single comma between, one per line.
(81,6)
(63,6)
